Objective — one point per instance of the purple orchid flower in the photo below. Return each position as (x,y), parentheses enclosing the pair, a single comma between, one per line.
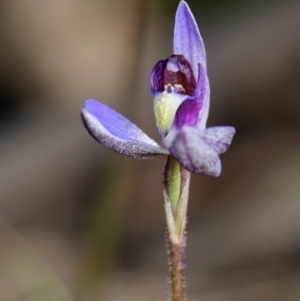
(181,103)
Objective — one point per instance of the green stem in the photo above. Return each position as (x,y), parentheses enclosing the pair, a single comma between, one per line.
(172,182)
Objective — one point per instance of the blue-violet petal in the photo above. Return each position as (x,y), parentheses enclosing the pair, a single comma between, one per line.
(219,137)
(117,133)
(187,39)
(156,78)
(192,151)
(194,111)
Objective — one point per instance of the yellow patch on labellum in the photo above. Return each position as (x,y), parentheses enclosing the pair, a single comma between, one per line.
(166,105)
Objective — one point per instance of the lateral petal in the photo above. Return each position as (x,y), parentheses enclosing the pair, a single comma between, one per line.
(219,137)
(117,133)
(192,152)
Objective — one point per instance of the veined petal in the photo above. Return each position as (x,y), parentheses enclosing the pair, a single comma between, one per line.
(117,133)
(219,138)
(187,38)
(192,152)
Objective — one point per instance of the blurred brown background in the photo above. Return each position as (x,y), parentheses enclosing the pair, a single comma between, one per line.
(80,223)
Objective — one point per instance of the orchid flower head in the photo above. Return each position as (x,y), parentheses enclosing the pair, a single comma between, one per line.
(181,92)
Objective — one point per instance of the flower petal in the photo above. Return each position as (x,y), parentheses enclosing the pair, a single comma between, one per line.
(187,39)
(192,151)
(219,138)
(194,110)
(156,77)
(117,133)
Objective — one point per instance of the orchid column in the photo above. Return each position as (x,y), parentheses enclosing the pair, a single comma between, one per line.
(181,103)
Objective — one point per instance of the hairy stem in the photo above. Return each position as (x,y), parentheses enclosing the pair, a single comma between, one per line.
(176,189)
(176,256)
